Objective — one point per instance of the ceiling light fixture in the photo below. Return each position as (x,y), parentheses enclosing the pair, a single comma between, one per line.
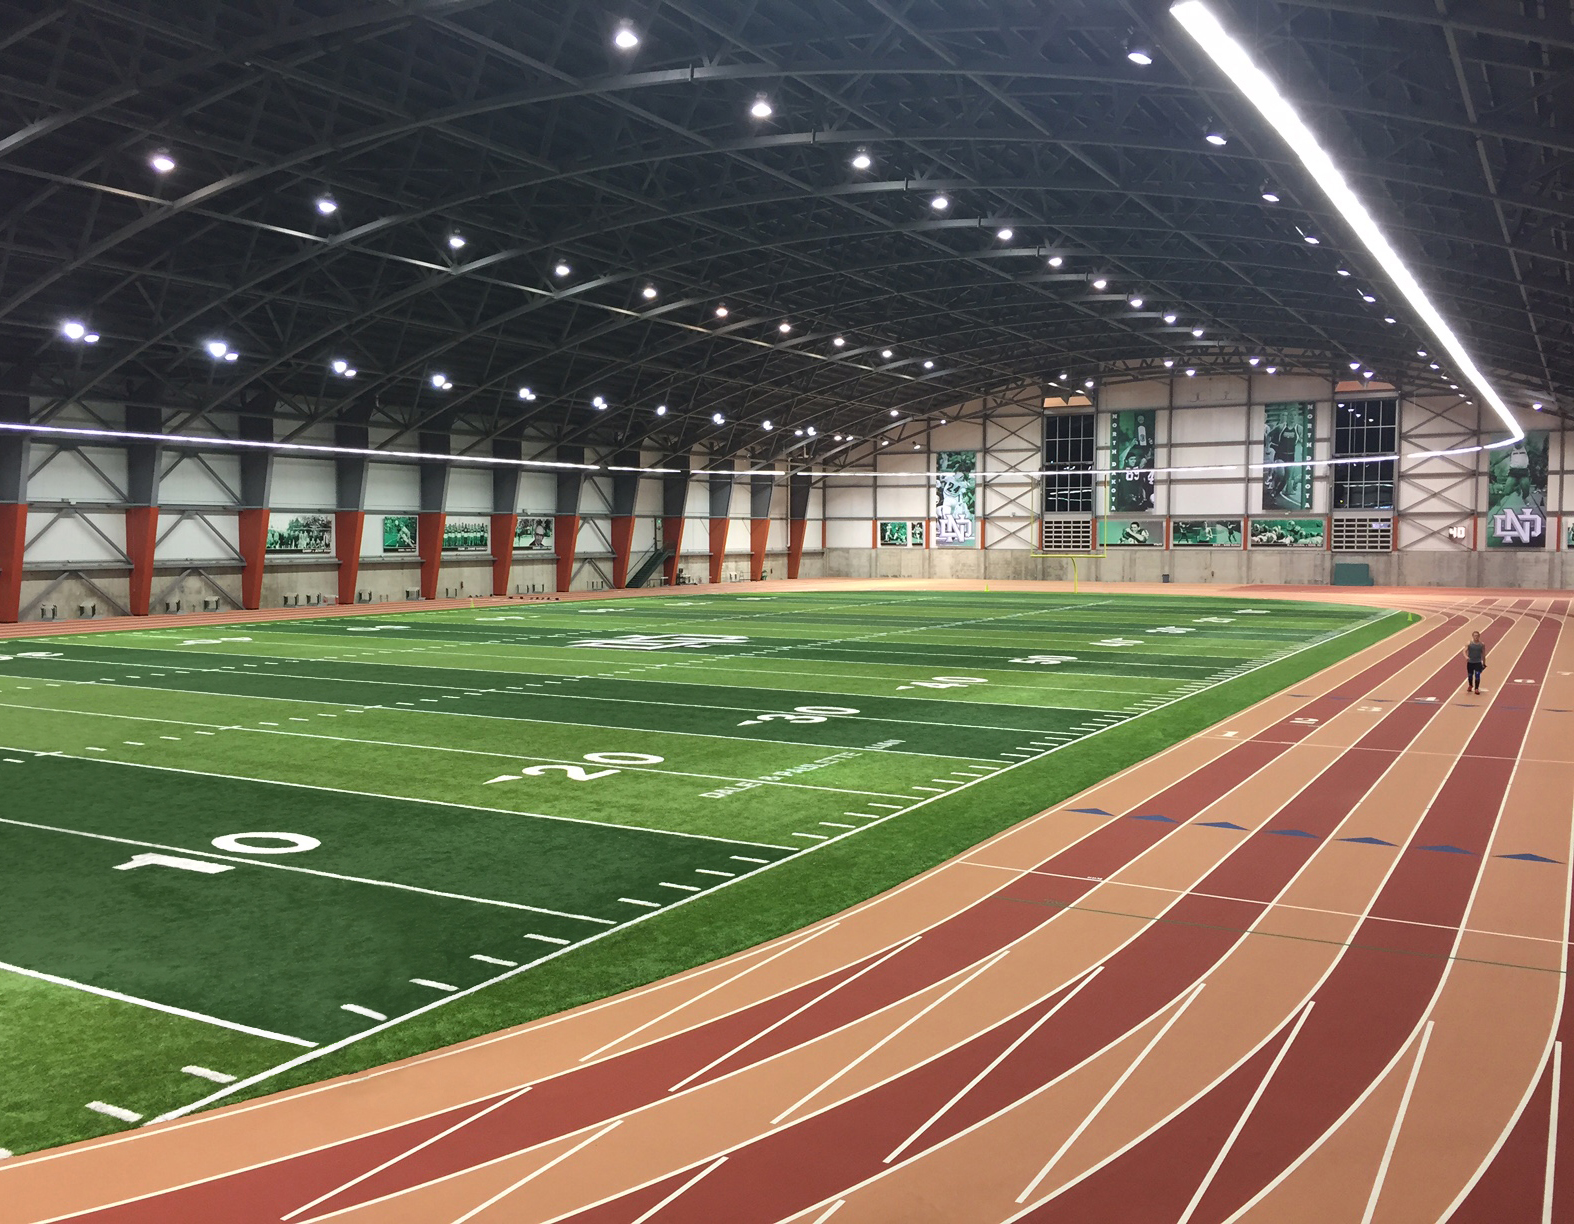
(1190,373)
(940,202)
(1139,52)
(1169,363)
(661,410)
(1252,361)
(1055,261)
(1270,193)
(217,349)
(327,205)
(1200,22)
(929,365)
(1135,303)
(862,160)
(72,330)
(648,293)
(1311,240)
(561,269)
(784,327)
(1367,375)
(1170,318)
(1101,283)
(1215,137)
(717,419)
(162,162)
(526,394)
(766,425)
(721,312)
(893,412)
(625,39)
(1369,298)
(839,342)
(761,108)
(456,242)
(1197,331)
(810,431)
(1088,383)
(599,403)
(1006,234)
(886,353)
(1273,369)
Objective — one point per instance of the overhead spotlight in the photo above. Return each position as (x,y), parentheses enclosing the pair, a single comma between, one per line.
(1367,297)
(1214,136)
(561,269)
(1270,193)
(1273,369)
(1537,406)
(1169,363)
(784,327)
(340,366)
(456,241)
(1252,361)
(625,39)
(940,203)
(1170,317)
(917,446)
(862,160)
(438,380)
(929,365)
(721,312)
(717,419)
(1135,303)
(1389,319)
(1197,332)
(599,403)
(839,342)
(661,410)
(886,353)
(810,431)
(327,205)
(72,330)
(217,349)
(1355,365)
(942,420)
(90,338)
(1367,375)
(1435,366)
(893,412)
(162,162)
(232,356)
(1342,271)
(761,108)
(797,433)
(837,438)
(1139,53)
(526,394)
(1420,352)
(885,441)
(648,293)
(1311,240)
(1088,383)
(766,425)
(1055,261)
(1190,373)
(1101,283)
(1006,234)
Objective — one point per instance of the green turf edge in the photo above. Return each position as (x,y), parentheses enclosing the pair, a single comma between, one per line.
(831,879)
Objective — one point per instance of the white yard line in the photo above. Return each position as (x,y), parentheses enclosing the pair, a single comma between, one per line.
(151,1005)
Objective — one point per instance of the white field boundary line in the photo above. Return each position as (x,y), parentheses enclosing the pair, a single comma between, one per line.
(339,790)
(564,694)
(551,722)
(327,875)
(265,1075)
(184,1013)
(1386,647)
(504,756)
(1448,961)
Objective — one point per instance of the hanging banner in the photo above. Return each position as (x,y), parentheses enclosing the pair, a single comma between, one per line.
(1131,448)
(1288,430)
(1205,533)
(299,534)
(1289,533)
(901,533)
(1132,533)
(956,499)
(533,534)
(1517,494)
(467,535)
(398,533)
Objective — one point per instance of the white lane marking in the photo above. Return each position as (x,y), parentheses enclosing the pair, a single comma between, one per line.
(731,875)
(682,887)
(829,1212)
(218,1077)
(330,875)
(1399,1121)
(646,1216)
(114,1111)
(556,1160)
(1191,996)
(163,1007)
(743,858)
(813,836)
(551,939)
(493,960)
(637,901)
(1552,1132)
(831,824)
(362,1011)
(434,985)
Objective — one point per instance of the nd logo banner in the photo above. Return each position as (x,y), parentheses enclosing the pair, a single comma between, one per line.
(1517,494)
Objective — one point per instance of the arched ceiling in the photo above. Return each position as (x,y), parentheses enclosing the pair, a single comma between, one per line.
(519,125)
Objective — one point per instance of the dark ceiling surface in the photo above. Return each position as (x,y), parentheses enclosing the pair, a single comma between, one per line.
(520,126)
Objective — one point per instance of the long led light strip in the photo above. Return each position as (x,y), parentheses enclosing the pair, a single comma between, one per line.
(1234,61)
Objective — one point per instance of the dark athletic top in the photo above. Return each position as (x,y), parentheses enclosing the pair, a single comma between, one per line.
(1476,653)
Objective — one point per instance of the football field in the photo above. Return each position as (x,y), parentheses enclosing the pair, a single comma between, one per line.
(224,852)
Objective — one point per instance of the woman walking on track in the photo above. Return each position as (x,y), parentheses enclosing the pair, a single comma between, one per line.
(1475,660)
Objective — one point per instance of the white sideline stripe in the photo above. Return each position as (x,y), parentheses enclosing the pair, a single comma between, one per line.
(1378,616)
(329,875)
(163,1007)
(637,901)
(466,807)
(551,939)
(362,1011)
(434,985)
(494,960)
(114,1111)
(218,1077)
(1552,1134)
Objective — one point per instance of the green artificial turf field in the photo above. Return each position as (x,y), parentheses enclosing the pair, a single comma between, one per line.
(241,858)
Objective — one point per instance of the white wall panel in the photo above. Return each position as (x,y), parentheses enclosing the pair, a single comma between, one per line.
(70,541)
(197,539)
(537,492)
(469,490)
(393,487)
(70,476)
(302,484)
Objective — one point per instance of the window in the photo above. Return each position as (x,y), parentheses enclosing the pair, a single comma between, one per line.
(1362,428)
(1068,455)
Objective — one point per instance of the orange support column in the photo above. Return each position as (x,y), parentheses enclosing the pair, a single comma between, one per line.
(759,537)
(672,537)
(502,536)
(253,551)
(565,539)
(13,540)
(622,547)
(141,538)
(795,533)
(429,547)
(348,527)
(718,546)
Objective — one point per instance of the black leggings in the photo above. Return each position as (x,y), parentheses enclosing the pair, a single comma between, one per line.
(1473,674)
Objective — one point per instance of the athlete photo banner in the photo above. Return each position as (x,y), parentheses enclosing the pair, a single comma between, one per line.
(1132,533)
(1289,533)
(399,533)
(1517,494)
(300,533)
(1205,533)
(1132,440)
(467,535)
(1287,438)
(533,534)
(956,499)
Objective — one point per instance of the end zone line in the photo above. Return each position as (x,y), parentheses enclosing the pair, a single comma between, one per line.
(105,992)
